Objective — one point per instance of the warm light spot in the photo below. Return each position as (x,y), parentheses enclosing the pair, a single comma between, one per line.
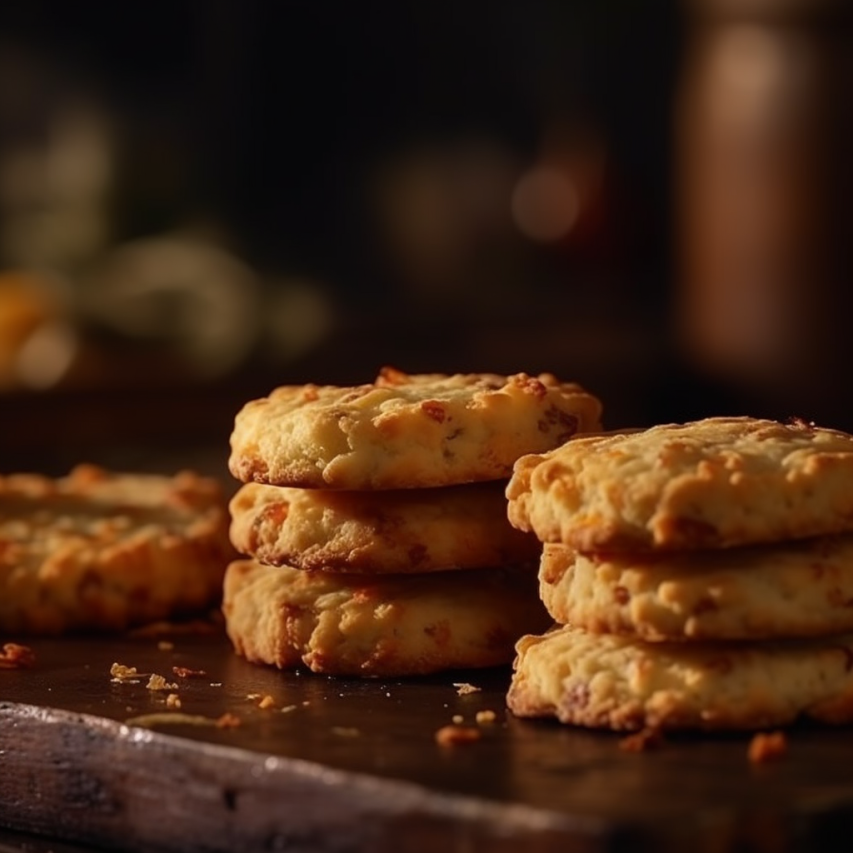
(760,77)
(46,356)
(546,203)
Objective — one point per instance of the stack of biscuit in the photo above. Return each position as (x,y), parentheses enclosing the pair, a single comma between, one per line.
(105,551)
(373,521)
(700,575)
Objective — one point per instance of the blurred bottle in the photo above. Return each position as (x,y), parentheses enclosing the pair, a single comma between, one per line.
(765,230)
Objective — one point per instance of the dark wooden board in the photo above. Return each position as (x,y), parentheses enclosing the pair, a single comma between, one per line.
(354,766)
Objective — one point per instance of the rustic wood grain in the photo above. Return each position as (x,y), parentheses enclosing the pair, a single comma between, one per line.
(347,765)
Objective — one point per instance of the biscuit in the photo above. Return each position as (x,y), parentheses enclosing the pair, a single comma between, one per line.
(370,625)
(717,482)
(794,589)
(102,551)
(405,431)
(606,681)
(390,531)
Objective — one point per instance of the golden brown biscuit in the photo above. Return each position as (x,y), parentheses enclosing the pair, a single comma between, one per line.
(794,589)
(405,431)
(389,531)
(712,483)
(605,681)
(367,625)
(102,551)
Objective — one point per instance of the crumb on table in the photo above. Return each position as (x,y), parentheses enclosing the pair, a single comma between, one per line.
(120,672)
(186,672)
(158,682)
(228,721)
(642,741)
(766,746)
(16,656)
(453,735)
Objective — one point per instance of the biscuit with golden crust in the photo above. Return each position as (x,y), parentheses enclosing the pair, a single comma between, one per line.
(378,625)
(385,531)
(712,483)
(405,431)
(794,589)
(621,683)
(103,551)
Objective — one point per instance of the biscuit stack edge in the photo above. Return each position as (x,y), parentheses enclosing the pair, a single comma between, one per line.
(373,521)
(700,576)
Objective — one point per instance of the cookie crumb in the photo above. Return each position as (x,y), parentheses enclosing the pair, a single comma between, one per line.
(165,645)
(228,721)
(345,731)
(463,689)
(121,673)
(267,702)
(158,682)
(186,672)
(173,701)
(486,716)
(766,746)
(456,734)
(16,656)
(642,741)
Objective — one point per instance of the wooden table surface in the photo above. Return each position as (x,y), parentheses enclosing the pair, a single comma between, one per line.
(349,765)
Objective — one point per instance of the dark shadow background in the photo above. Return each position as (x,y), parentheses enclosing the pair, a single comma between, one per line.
(312,190)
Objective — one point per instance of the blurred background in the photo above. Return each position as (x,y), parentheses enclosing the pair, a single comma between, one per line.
(202,200)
